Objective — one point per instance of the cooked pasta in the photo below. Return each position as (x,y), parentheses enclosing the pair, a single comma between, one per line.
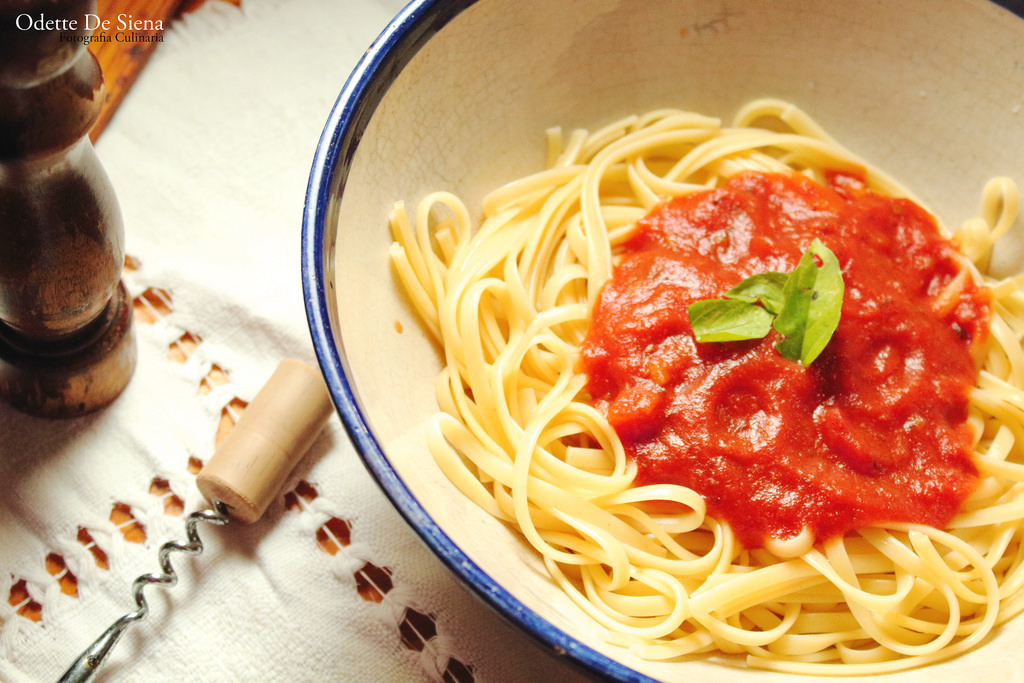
(509,301)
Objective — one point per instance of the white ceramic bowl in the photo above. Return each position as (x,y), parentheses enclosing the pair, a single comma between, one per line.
(455,95)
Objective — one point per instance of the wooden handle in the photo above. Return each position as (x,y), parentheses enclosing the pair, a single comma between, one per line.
(280,424)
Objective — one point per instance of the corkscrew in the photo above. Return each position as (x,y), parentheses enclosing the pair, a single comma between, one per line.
(241,478)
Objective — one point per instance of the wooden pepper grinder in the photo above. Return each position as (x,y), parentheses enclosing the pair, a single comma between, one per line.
(66,341)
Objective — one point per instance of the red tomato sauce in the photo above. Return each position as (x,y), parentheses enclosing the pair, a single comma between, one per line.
(873,431)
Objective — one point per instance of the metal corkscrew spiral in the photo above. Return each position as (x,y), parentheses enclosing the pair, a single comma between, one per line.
(239,481)
(89,662)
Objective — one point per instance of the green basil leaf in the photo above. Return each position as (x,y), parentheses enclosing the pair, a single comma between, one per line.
(764,288)
(814,301)
(792,319)
(803,306)
(826,304)
(716,320)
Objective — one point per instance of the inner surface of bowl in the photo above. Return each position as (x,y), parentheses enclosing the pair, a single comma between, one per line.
(456,96)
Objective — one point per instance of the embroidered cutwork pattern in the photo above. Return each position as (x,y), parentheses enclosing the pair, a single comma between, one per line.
(23,603)
(416,630)
(161,488)
(58,569)
(86,539)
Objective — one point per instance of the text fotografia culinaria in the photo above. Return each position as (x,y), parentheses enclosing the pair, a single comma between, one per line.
(93,22)
(119,37)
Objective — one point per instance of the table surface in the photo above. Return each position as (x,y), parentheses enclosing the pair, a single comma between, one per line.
(209,147)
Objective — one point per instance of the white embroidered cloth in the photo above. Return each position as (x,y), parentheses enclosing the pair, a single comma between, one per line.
(210,155)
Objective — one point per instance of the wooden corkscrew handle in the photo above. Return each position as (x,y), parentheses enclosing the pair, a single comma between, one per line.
(278,426)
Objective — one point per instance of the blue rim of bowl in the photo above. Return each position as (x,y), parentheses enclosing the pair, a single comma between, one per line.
(362,92)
